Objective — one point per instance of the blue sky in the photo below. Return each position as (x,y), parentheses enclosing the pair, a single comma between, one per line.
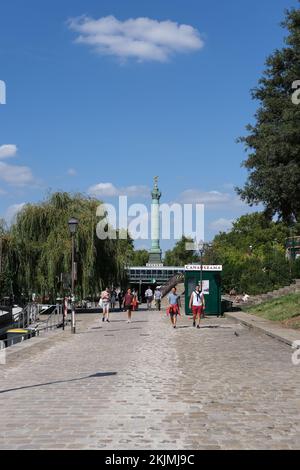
(101,113)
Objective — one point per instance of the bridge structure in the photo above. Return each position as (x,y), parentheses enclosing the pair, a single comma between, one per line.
(140,277)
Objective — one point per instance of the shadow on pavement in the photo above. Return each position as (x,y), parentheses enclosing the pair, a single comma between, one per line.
(98,374)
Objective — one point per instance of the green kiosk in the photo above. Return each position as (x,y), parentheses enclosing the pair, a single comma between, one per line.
(211,286)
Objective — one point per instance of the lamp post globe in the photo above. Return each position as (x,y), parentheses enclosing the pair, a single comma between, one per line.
(73,224)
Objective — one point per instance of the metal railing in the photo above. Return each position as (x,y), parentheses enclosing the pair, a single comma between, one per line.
(6,316)
(172,283)
(30,321)
(28,316)
(56,319)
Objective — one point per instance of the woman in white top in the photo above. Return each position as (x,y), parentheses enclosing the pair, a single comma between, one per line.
(105,299)
(197,305)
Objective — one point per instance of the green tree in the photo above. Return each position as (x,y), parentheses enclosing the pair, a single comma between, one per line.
(179,256)
(140,258)
(253,254)
(5,273)
(273,143)
(40,248)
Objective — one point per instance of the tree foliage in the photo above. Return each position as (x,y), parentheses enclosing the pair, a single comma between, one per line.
(179,256)
(273,143)
(140,258)
(38,249)
(253,254)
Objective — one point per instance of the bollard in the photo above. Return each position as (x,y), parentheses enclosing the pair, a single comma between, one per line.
(2,353)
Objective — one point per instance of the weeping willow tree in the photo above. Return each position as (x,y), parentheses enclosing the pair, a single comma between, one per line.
(40,248)
(5,273)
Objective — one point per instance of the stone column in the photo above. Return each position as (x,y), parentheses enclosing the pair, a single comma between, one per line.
(155,252)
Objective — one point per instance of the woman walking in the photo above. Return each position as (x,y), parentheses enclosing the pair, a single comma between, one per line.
(135,301)
(127,302)
(105,299)
(197,305)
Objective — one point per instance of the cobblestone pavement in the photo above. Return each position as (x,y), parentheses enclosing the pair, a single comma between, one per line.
(145,385)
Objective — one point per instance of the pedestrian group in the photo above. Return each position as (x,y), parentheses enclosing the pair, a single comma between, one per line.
(129,301)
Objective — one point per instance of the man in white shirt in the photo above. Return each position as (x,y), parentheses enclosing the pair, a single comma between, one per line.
(157,298)
(149,297)
(197,305)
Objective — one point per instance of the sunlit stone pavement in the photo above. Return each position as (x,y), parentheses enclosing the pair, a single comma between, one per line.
(145,385)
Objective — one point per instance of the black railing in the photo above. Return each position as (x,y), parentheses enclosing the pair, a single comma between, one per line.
(172,283)
(6,316)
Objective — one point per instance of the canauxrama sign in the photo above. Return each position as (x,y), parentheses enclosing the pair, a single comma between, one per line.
(205,267)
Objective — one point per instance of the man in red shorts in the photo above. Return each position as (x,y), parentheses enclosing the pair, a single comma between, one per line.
(197,305)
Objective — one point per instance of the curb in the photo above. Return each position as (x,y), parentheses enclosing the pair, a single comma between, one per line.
(268,327)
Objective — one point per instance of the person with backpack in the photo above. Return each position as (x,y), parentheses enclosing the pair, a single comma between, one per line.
(197,305)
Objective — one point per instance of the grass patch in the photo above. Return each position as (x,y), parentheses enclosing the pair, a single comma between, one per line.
(285,309)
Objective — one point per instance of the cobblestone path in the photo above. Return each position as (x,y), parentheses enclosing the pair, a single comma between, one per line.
(145,385)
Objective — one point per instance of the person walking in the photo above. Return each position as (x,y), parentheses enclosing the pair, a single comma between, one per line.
(197,305)
(135,301)
(113,300)
(174,306)
(120,299)
(157,298)
(149,297)
(105,299)
(127,302)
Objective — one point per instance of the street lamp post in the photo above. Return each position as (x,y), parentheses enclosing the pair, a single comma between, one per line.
(202,247)
(73,224)
(140,290)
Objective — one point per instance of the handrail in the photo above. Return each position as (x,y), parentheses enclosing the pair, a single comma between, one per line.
(54,320)
(172,283)
(28,316)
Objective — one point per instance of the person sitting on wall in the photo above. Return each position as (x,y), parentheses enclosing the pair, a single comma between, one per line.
(232,292)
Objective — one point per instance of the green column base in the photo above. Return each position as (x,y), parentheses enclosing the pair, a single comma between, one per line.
(155,256)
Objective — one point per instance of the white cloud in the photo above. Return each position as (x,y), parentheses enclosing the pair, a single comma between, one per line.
(139,38)
(8,151)
(103,189)
(71,172)
(221,225)
(109,190)
(12,212)
(16,175)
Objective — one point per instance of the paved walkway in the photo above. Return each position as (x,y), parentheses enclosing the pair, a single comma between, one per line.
(269,327)
(145,386)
